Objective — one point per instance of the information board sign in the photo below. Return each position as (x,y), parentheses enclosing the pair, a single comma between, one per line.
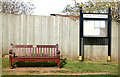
(95,16)
(95,28)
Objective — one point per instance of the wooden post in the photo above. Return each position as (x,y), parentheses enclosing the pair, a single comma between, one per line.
(58,61)
(10,59)
(58,54)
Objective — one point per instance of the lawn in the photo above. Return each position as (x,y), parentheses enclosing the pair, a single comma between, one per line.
(68,67)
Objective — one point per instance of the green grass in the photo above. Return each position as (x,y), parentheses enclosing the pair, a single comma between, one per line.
(31,71)
(60,71)
(5,63)
(91,66)
(72,66)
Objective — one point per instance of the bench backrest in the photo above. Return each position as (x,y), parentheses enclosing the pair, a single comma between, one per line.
(35,50)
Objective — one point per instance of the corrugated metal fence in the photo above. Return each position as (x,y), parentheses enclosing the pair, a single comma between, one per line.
(29,29)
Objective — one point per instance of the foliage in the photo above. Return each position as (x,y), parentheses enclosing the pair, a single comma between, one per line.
(94,7)
(4,54)
(16,7)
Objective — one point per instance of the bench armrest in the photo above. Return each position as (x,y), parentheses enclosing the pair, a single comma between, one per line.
(10,53)
(58,52)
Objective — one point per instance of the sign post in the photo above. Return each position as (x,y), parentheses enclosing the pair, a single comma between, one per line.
(109,35)
(94,25)
(80,33)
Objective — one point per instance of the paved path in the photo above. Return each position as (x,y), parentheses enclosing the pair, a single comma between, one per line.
(35,69)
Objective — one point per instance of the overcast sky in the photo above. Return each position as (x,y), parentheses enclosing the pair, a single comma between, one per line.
(47,7)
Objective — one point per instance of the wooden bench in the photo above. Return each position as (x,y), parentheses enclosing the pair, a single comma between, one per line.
(34,53)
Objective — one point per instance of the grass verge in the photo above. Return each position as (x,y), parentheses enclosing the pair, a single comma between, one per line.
(71,66)
(91,66)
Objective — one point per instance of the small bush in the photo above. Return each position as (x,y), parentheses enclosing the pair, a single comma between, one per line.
(4,54)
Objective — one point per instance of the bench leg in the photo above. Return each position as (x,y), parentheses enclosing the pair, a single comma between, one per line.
(58,62)
(10,62)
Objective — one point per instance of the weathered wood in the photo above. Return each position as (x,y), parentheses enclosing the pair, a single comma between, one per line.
(54,51)
(51,51)
(38,52)
(46,50)
(25,51)
(36,59)
(30,51)
(10,61)
(33,51)
(41,51)
(45,54)
(22,52)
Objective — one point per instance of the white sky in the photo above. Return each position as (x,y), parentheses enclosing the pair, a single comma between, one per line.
(47,7)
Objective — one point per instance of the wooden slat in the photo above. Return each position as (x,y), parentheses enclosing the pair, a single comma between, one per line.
(35,57)
(38,52)
(48,46)
(22,52)
(41,51)
(30,51)
(51,51)
(25,51)
(43,46)
(54,51)
(33,51)
(21,46)
(46,51)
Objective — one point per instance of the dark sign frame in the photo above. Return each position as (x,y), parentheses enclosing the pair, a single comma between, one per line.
(108,32)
